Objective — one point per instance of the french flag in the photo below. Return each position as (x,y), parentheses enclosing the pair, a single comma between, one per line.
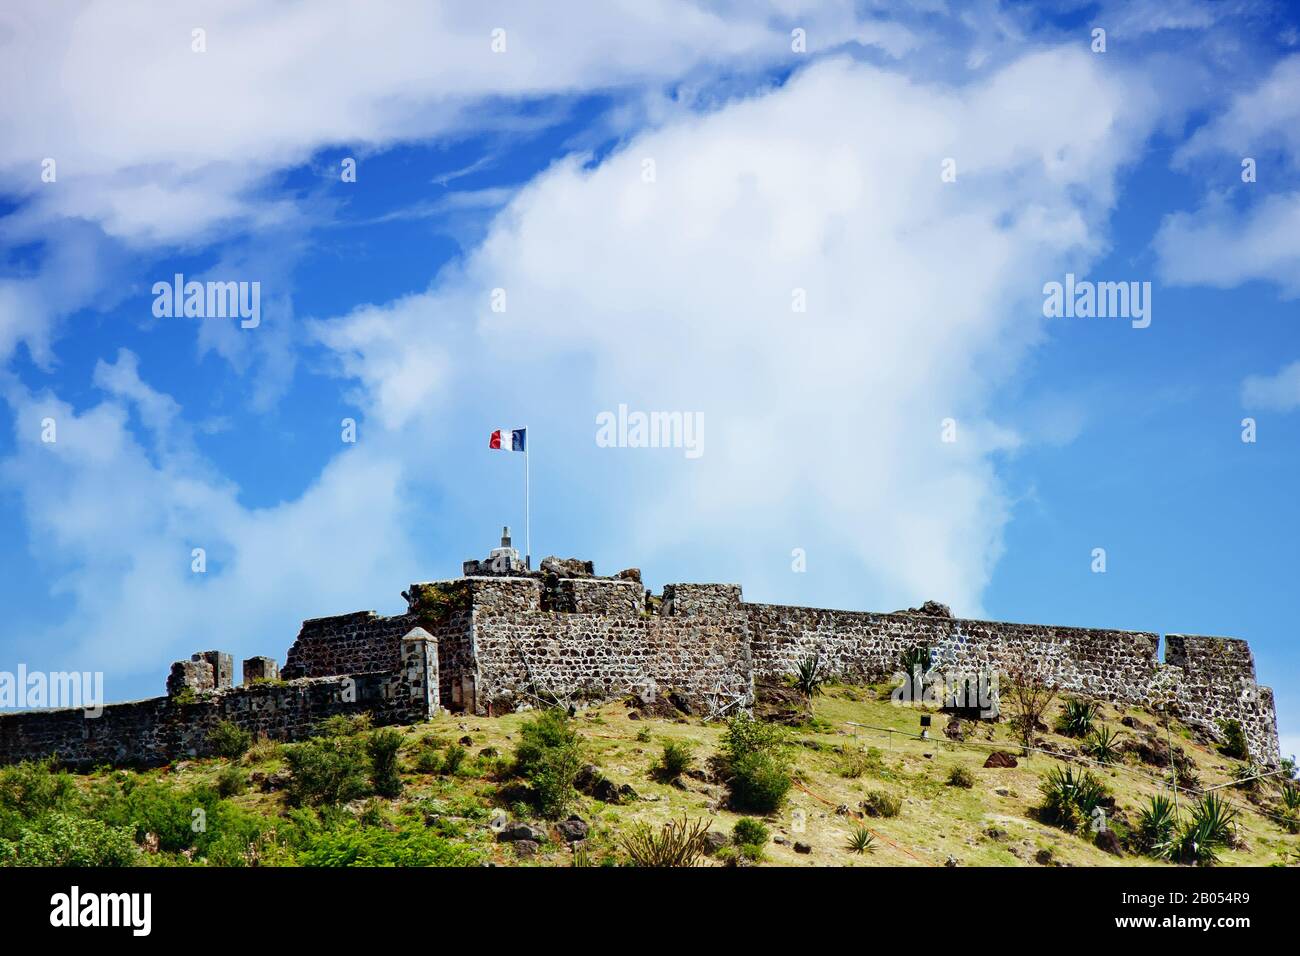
(509,439)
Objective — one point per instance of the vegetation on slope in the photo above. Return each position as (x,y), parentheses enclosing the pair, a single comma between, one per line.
(854,786)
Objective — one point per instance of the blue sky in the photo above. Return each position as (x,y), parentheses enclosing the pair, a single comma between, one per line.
(774,170)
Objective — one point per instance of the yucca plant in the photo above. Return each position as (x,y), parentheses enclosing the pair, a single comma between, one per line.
(1076,720)
(1247,777)
(916,658)
(1289,817)
(861,841)
(808,676)
(677,843)
(1102,745)
(1070,798)
(1291,797)
(1157,824)
(1208,830)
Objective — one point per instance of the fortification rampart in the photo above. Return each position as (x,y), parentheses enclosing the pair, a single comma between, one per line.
(493,642)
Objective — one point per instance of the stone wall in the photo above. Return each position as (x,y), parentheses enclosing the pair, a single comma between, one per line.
(156,731)
(359,643)
(1216,682)
(1204,679)
(525,658)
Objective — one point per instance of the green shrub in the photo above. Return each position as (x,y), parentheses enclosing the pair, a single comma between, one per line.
(757,764)
(452,760)
(1234,740)
(677,843)
(345,725)
(229,740)
(428,754)
(855,763)
(749,831)
(178,818)
(351,844)
(34,787)
(62,839)
(327,770)
(548,757)
(1069,798)
(675,761)
(1077,717)
(382,747)
(1157,824)
(231,781)
(877,803)
(961,777)
(1102,745)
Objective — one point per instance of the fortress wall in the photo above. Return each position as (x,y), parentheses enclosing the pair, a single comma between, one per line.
(687,599)
(1218,683)
(358,643)
(598,656)
(155,731)
(1207,679)
(1118,665)
(601,596)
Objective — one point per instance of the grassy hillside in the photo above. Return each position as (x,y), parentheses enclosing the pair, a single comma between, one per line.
(458,785)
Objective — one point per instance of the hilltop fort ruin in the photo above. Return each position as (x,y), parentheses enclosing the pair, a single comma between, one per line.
(503,637)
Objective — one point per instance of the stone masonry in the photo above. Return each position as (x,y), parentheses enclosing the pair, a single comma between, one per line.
(504,637)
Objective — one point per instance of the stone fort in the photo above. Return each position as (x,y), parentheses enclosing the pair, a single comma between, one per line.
(504,637)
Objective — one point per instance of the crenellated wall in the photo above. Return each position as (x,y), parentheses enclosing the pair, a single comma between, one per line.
(494,642)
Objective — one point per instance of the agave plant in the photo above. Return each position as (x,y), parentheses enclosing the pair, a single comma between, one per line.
(1069,798)
(1291,797)
(1247,777)
(1157,825)
(1102,745)
(861,840)
(677,843)
(808,676)
(1207,831)
(916,658)
(1076,720)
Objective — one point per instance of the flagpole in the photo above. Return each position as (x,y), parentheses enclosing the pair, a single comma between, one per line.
(528,506)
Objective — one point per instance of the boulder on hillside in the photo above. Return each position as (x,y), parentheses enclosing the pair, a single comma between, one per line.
(780,703)
(1000,758)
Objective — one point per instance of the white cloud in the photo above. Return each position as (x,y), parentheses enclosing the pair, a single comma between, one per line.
(1253,232)
(1223,246)
(822,428)
(1265,117)
(1280,392)
(162,144)
(114,513)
